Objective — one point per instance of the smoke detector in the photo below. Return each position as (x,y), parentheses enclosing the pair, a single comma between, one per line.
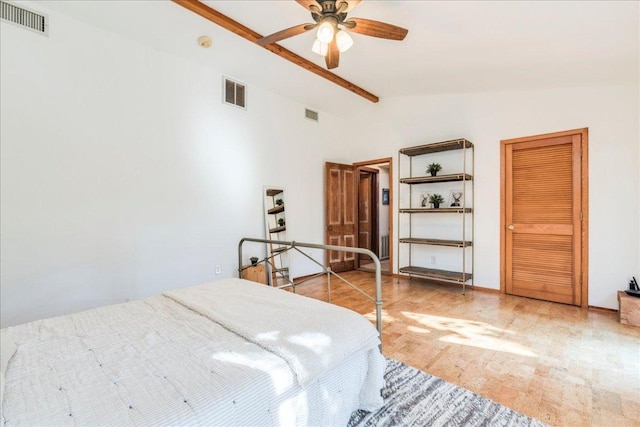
(204,41)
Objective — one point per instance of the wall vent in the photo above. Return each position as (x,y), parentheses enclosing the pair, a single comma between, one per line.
(24,18)
(311,115)
(234,93)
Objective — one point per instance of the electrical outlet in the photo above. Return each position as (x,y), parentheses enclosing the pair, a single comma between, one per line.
(218,269)
(433,259)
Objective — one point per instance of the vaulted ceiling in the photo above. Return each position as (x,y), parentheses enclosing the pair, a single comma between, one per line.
(452,46)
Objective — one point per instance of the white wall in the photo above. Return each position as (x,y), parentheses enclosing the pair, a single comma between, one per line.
(123,174)
(612,115)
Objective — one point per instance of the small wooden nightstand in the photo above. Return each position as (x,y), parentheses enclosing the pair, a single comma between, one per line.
(255,273)
(629,310)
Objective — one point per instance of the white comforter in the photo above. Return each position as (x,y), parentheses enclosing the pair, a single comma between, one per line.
(157,362)
(310,335)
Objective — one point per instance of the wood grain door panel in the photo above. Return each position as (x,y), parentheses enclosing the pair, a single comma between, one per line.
(340,214)
(542,266)
(542,210)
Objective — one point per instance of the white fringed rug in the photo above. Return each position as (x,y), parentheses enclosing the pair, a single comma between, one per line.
(415,398)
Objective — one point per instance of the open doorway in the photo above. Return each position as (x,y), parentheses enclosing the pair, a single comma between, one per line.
(342,213)
(375,196)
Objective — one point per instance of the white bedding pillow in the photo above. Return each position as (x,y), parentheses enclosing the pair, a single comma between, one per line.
(7,350)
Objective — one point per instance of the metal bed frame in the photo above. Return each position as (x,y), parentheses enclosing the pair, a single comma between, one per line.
(377,300)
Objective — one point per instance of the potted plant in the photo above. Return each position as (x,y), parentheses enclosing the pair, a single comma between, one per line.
(436,199)
(434,168)
(281,222)
(279,202)
(254,260)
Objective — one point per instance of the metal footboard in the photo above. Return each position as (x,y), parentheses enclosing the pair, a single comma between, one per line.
(295,246)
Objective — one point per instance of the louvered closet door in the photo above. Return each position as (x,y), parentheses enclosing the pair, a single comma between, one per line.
(542,215)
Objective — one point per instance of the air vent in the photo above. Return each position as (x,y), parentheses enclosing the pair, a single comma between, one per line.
(235,93)
(311,115)
(24,18)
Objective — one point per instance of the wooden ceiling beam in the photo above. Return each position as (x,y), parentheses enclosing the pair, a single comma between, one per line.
(224,21)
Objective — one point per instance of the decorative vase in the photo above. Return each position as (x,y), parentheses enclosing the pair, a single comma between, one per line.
(433,173)
(436,205)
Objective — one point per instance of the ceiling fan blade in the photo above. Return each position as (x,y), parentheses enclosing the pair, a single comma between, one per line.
(379,29)
(285,34)
(332,58)
(308,3)
(351,3)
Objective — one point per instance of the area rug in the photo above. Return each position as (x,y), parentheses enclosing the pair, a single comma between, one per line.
(415,398)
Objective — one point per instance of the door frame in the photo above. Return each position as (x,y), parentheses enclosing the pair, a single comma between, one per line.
(373,210)
(584,196)
(388,160)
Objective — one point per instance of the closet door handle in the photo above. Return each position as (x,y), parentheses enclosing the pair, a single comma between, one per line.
(511,227)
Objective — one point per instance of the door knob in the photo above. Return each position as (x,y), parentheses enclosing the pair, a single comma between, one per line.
(511,227)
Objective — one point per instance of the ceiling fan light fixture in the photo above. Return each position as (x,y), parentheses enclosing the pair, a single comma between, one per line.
(320,48)
(325,31)
(344,40)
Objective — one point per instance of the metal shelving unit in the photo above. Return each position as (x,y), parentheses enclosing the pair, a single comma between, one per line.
(422,215)
(278,260)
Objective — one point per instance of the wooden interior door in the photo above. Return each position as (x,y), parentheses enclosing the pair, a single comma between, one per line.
(543,212)
(340,214)
(368,211)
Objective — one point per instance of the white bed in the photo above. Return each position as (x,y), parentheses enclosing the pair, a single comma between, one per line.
(159,362)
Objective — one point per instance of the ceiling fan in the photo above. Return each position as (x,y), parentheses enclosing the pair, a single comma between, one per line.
(330,18)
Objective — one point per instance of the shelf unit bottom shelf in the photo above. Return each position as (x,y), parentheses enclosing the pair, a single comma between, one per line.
(432,273)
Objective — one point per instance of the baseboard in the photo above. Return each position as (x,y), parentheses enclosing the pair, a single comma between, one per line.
(596,308)
(489,290)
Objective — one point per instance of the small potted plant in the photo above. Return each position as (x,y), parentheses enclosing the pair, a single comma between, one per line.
(436,199)
(281,222)
(279,202)
(434,168)
(254,260)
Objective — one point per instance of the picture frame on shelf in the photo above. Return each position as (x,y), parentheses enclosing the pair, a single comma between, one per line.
(424,200)
(456,199)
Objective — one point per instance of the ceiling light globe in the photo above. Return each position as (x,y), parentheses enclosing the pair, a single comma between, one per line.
(320,48)
(325,32)
(343,40)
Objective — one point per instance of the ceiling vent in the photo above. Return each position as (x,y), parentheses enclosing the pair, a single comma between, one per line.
(24,18)
(235,93)
(311,115)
